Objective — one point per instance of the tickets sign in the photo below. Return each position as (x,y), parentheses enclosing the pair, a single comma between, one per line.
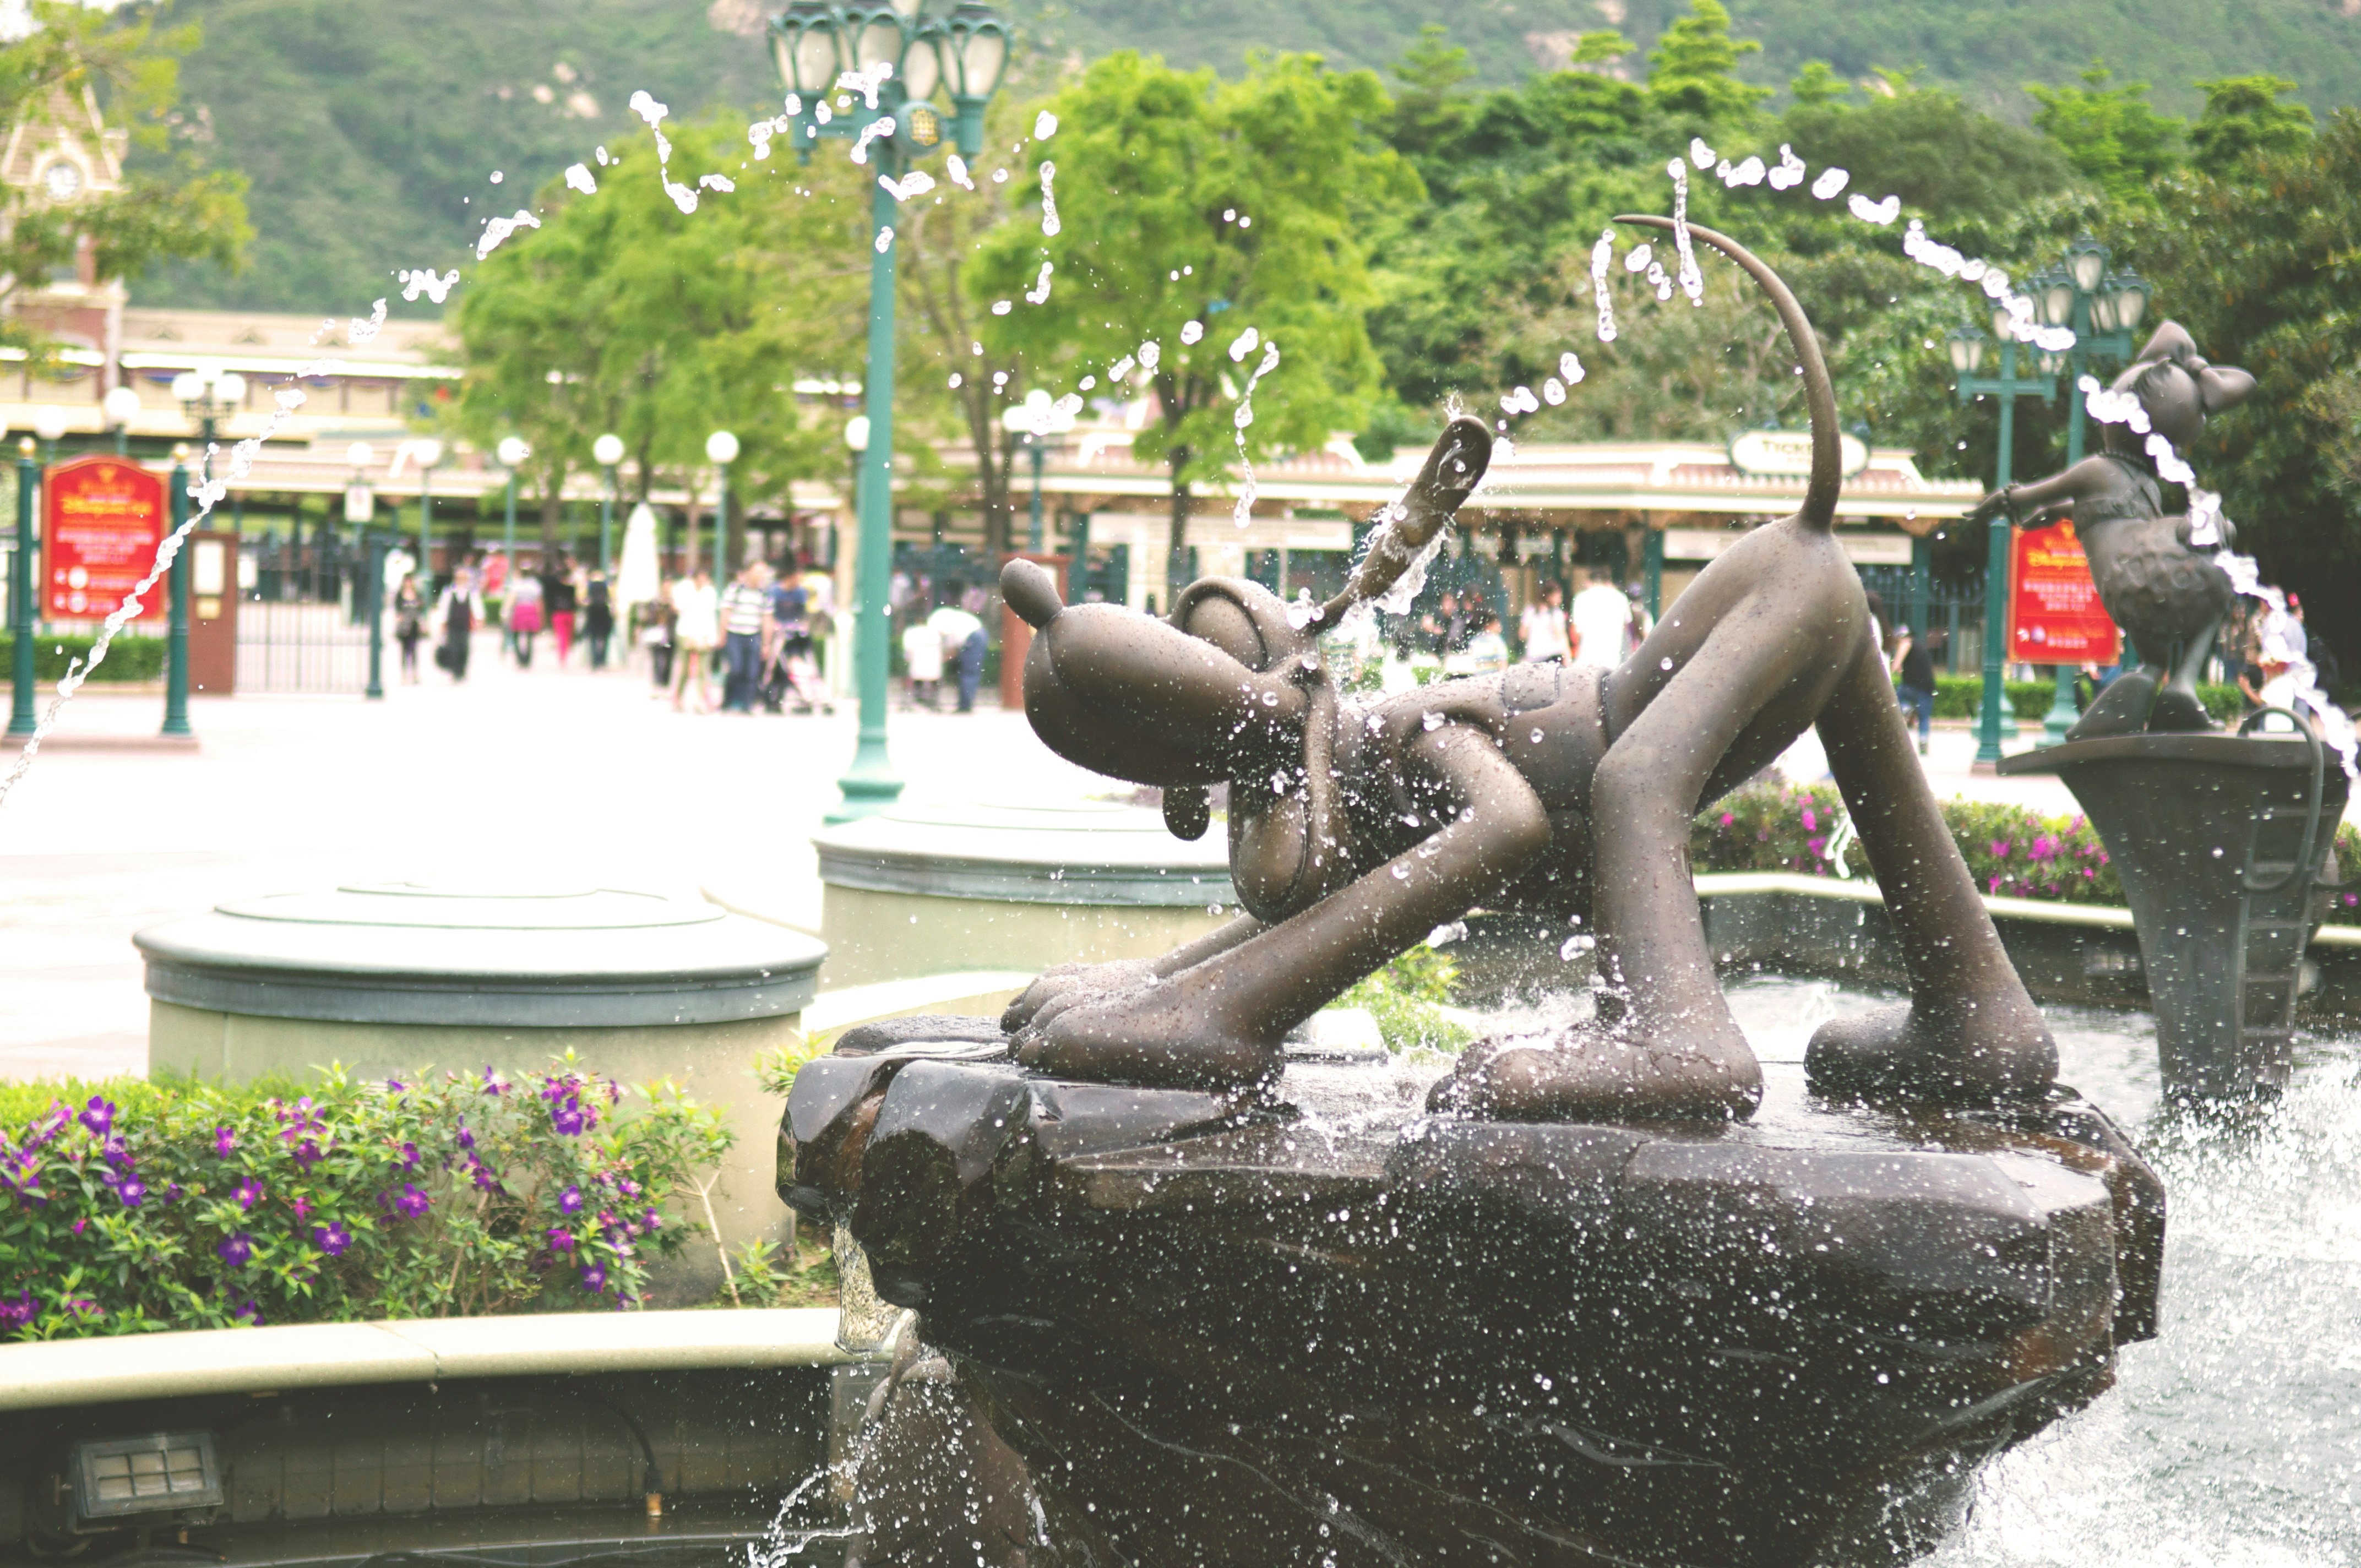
(103,519)
(2054,614)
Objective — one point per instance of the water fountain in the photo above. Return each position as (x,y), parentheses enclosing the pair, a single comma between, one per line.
(1608,1290)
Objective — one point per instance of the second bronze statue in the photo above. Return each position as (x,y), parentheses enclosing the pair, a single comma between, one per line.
(1355,831)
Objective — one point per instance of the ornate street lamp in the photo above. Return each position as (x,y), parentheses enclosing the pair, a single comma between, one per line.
(867,73)
(1040,419)
(122,406)
(1996,722)
(22,720)
(606,452)
(209,393)
(50,424)
(720,450)
(510,455)
(429,453)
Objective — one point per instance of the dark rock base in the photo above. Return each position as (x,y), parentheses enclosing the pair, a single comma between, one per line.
(1318,1327)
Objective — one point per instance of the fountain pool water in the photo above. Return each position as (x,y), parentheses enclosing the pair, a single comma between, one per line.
(2233,1439)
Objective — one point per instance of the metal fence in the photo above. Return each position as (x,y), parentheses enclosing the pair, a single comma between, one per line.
(286,646)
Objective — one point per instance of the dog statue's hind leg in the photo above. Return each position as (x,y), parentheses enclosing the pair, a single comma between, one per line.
(1970,1034)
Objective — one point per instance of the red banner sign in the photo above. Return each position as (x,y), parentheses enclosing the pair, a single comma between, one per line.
(2054,614)
(103,519)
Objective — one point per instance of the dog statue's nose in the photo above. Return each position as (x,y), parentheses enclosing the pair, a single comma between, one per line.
(1026,588)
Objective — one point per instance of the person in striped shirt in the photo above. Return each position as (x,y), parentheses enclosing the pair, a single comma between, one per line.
(745,619)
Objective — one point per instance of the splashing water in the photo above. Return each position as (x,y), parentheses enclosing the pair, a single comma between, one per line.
(880,126)
(1871,212)
(1040,293)
(362,331)
(1238,423)
(956,167)
(1243,345)
(1790,173)
(1601,254)
(499,229)
(1700,154)
(1831,184)
(579,178)
(424,281)
(1050,225)
(1749,172)
(1045,125)
(916,182)
(1692,281)
(884,238)
(1192,333)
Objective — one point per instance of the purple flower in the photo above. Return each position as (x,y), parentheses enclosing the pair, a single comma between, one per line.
(116,1152)
(98,1115)
(250,1313)
(332,1238)
(652,1221)
(15,1314)
(560,1239)
(302,1209)
(466,1137)
(568,1117)
(2000,849)
(412,1203)
(395,1086)
(223,1141)
(130,1189)
(593,1277)
(1727,819)
(78,1226)
(248,1193)
(1818,846)
(1811,820)
(494,1083)
(570,1200)
(409,1156)
(236,1249)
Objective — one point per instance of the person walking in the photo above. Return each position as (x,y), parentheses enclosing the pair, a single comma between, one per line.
(409,624)
(657,619)
(598,617)
(745,614)
(962,641)
(697,630)
(922,662)
(1914,683)
(1542,625)
(1600,617)
(560,601)
(458,609)
(524,617)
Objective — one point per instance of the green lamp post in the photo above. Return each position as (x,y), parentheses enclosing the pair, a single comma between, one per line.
(510,452)
(122,405)
(429,453)
(1967,348)
(2102,308)
(1040,420)
(901,58)
(607,452)
(720,450)
(22,720)
(208,393)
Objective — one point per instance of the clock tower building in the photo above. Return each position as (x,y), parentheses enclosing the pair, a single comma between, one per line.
(66,156)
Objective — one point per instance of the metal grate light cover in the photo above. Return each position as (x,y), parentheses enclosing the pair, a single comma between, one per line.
(162,1472)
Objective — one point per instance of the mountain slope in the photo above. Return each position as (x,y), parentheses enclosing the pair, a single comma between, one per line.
(370,131)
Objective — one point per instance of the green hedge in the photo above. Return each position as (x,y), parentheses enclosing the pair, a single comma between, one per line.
(1962,697)
(130,1205)
(2012,851)
(127,658)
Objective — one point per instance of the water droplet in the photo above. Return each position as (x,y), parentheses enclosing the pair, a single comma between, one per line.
(1432,721)
(1665,665)
(1537,736)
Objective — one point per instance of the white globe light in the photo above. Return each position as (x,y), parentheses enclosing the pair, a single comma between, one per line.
(187,387)
(856,433)
(512,452)
(232,388)
(608,450)
(122,406)
(722,447)
(430,452)
(49,421)
(360,454)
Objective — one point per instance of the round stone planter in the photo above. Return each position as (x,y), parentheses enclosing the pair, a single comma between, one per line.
(923,889)
(401,977)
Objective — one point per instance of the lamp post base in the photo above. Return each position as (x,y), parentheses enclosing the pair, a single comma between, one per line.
(2062,711)
(869,785)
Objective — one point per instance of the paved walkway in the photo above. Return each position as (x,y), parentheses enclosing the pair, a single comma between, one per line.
(563,776)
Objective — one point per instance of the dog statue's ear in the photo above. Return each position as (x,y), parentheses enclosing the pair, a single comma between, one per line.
(1187,812)
(1026,588)
(2223,387)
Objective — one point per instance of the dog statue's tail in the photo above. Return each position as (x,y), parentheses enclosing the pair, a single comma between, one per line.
(1452,471)
(1820,508)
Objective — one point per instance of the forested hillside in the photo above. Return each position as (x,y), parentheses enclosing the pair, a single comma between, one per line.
(369,131)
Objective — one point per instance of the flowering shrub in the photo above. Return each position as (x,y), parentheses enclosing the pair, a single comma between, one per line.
(130,1205)
(2011,852)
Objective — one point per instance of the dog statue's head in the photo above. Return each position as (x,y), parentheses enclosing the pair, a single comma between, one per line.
(1215,691)
(2177,389)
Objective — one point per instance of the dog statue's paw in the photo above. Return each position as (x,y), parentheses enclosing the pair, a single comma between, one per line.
(1592,1075)
(1159,1035)
(2177,712)
(2121,709)
(1966,1056)
(1060,987)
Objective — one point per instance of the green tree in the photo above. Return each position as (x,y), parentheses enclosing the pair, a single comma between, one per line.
(1927,147)
(622,312)
(2110,135)
(1196,210)
(182,212)
(2243,117)
(1692,72)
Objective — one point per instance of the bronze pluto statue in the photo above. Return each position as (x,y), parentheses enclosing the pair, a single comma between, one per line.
(1356,831)
(2165,592)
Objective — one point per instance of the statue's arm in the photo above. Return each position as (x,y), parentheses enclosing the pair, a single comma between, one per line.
(1064,984)
(2025,504)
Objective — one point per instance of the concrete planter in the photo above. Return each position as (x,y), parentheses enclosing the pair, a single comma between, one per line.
(921,890)
(399,977)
